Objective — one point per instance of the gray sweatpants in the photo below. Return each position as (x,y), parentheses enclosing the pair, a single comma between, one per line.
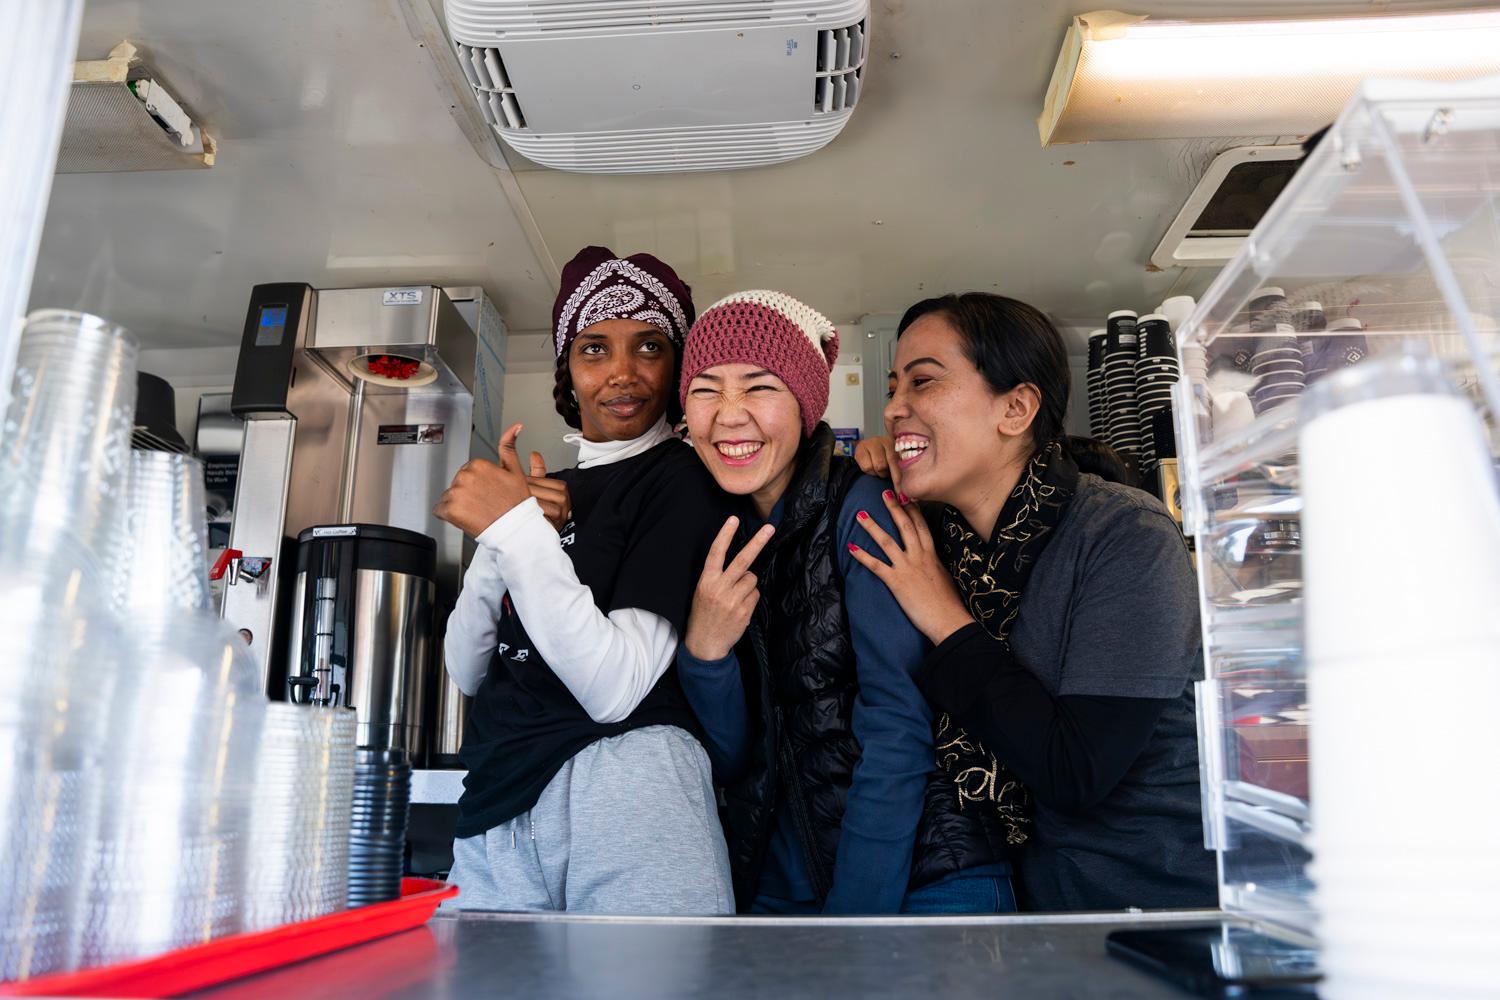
(628,826)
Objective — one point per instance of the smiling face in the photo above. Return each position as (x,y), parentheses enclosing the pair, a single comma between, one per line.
(954,435)
(746,427)
(622,371)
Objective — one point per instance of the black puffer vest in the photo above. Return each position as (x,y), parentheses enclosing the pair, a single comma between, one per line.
(800,698)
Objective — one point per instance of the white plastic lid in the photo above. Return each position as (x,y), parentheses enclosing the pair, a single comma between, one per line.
(1302,306)
(1098,333)
(1347,323)
(1269,290)
(1122,312)
(1152,316)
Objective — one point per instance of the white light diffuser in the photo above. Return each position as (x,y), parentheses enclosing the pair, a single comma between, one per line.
(1121,76)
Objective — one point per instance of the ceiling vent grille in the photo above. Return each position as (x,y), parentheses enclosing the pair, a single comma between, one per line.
(542,18)
(677,150)
(841,61)
(497,98)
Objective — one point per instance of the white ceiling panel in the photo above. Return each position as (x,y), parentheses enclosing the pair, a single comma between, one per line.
(341,163)
(338,164)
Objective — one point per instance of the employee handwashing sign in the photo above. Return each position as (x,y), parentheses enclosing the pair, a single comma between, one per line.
(402,297)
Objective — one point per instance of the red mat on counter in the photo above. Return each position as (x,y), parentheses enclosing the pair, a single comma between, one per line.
(226,959)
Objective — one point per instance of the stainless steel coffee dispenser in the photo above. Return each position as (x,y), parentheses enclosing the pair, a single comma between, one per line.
(360,404)
(361,629)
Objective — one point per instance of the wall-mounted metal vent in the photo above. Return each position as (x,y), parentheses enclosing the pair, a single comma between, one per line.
(538,18)
(841,60)
(492,86)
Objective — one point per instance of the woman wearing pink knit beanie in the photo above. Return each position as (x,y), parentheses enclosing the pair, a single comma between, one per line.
(796,659)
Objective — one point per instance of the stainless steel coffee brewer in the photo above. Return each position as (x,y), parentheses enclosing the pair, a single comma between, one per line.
(360,404)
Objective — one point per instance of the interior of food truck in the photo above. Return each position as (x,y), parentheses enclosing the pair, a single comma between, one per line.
(1059,655)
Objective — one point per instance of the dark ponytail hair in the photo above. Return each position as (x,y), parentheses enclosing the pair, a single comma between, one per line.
(562,392)
(1011,343)
(566,404)
(1093,455)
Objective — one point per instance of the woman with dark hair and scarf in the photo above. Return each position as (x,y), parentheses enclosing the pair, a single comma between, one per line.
(588,790)
(1062,608)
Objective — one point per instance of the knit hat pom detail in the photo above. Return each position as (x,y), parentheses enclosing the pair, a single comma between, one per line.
(817,328)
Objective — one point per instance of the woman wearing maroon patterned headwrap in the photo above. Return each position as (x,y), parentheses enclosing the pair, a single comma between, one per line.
(588,790)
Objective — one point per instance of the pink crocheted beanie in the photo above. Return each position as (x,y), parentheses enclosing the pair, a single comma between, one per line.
(773,330)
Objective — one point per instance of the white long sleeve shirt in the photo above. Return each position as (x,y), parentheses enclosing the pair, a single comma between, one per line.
(608,662)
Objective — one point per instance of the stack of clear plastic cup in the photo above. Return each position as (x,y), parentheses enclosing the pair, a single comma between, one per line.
(171,852)
(64,447)
(66,437)
(161,554)
(61,650)
(299,852)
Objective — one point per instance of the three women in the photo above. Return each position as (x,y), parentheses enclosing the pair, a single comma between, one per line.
(1061,610)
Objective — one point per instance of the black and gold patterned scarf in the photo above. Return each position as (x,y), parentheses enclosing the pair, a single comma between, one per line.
(991,577)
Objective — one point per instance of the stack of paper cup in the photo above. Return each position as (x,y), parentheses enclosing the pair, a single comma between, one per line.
(1177,309)
(1401,535)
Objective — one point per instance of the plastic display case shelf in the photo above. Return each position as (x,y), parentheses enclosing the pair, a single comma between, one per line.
(201,966)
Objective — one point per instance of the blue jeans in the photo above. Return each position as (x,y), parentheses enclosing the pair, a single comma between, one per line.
(786,907)
(985,889)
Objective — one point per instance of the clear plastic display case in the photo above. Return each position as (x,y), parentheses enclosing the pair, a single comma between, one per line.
(1387,241)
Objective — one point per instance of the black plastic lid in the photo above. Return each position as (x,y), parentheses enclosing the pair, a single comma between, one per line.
(156,413)
(372,546)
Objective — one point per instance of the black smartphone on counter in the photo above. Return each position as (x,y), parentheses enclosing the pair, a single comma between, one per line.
(1221,960)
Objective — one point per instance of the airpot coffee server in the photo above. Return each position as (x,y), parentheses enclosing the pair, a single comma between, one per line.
(359,406)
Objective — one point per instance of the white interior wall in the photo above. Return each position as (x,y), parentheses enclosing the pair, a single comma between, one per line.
(528,390)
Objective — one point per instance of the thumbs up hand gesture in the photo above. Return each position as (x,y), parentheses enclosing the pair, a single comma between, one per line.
(552,494)
(482,492)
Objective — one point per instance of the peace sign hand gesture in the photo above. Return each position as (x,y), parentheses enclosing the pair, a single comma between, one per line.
(726,595)
(483,492)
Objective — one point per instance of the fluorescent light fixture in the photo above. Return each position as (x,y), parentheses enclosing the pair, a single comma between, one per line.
(1122,76)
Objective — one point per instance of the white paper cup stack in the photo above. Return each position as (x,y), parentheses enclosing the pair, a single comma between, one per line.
(1401,555)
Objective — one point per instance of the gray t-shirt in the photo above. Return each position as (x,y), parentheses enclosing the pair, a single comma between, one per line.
(1112,609)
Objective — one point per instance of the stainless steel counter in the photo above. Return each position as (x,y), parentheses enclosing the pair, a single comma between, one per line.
(504,955)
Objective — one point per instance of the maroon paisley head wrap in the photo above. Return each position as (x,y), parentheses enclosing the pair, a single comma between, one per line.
(597,285)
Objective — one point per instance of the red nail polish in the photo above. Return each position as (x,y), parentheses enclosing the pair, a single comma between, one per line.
(887,494)
(862,516)
(853,547)
(905,498)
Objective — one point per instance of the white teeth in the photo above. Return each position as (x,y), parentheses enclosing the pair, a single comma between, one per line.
(909,447)
(738,450)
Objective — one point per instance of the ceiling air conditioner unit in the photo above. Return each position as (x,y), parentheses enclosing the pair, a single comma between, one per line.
(661,86)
